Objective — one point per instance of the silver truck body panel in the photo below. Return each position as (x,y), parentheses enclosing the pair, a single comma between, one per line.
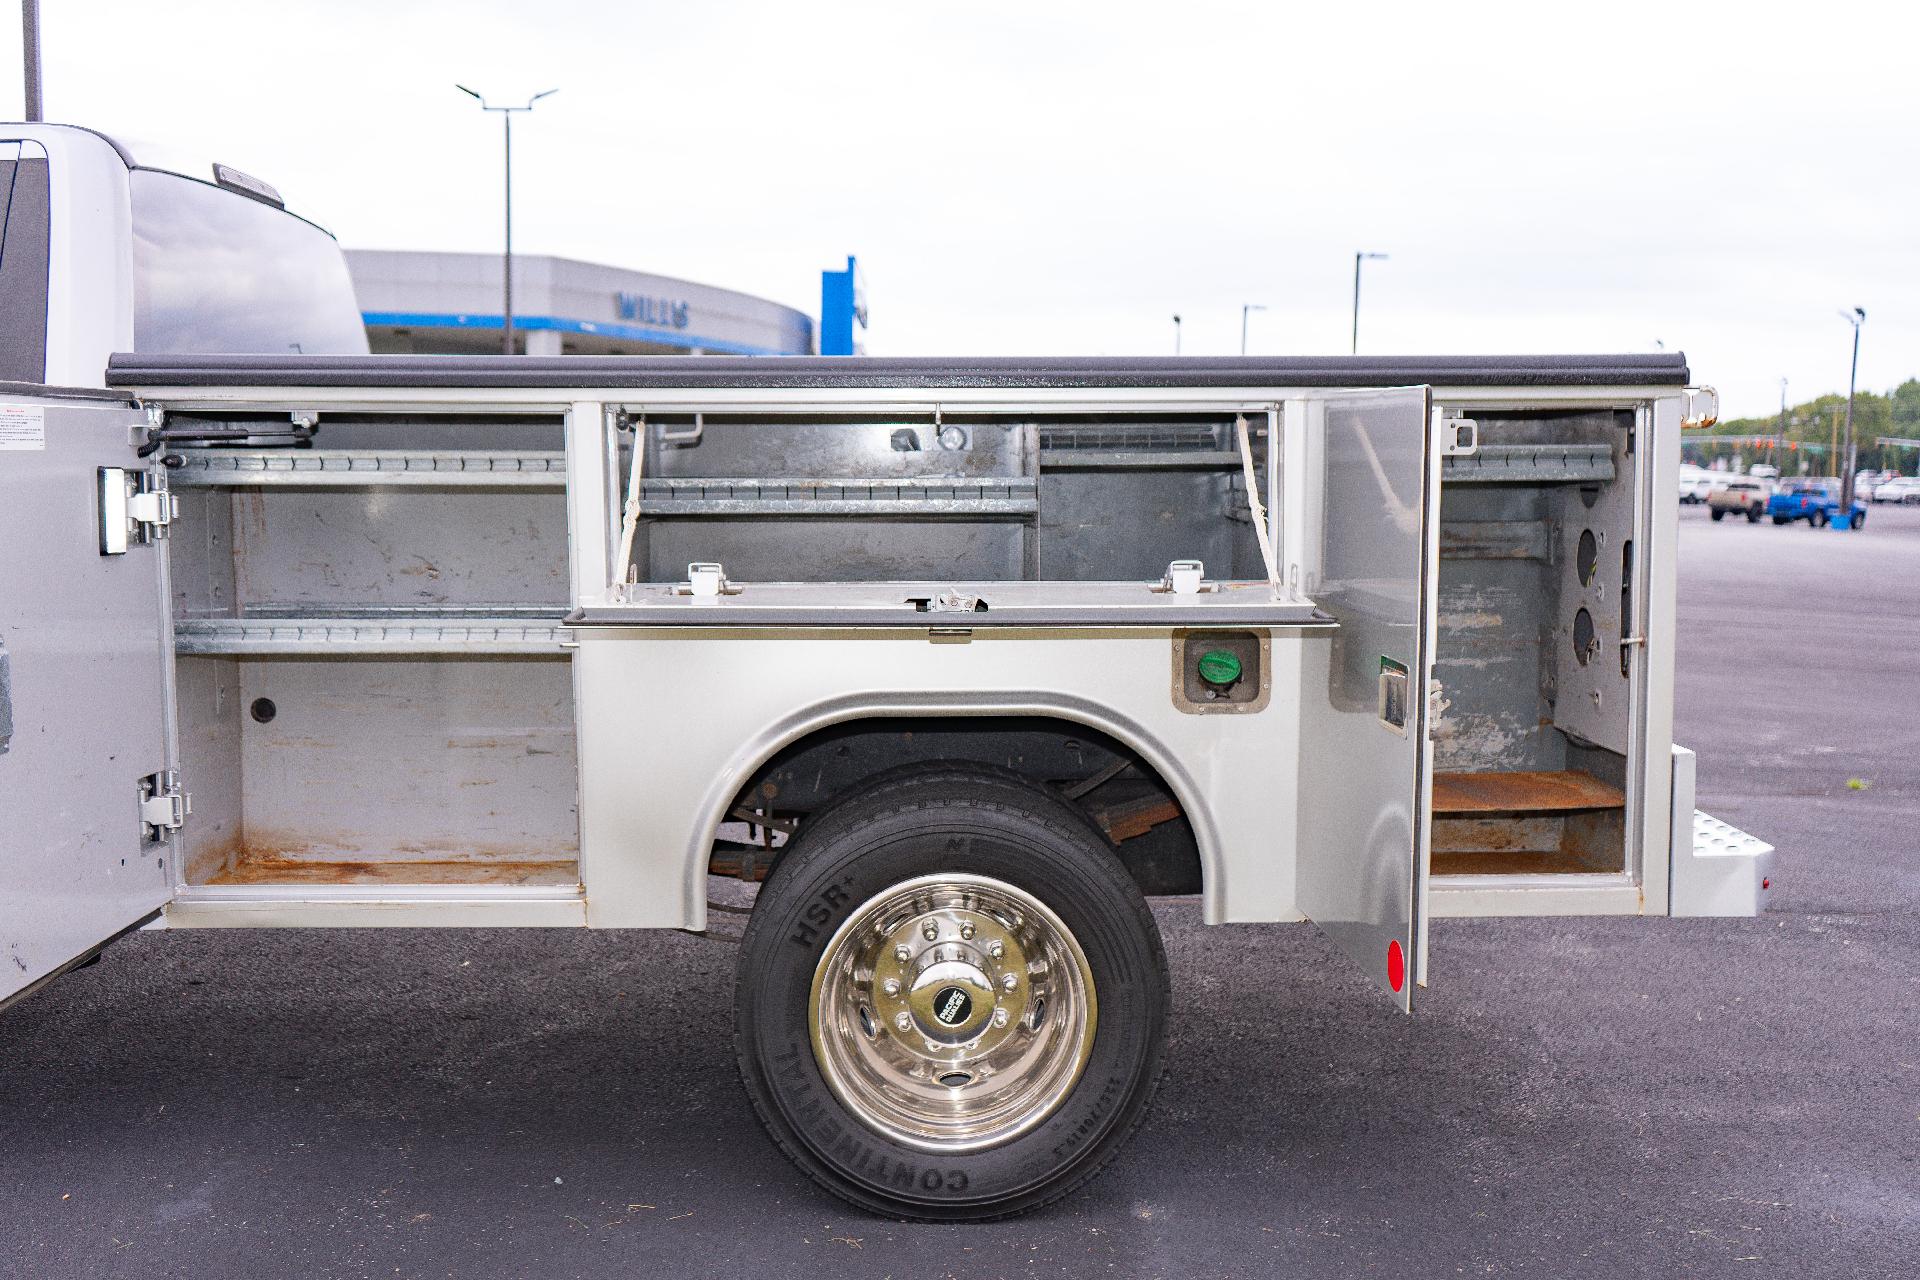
(86,643)
(442,747)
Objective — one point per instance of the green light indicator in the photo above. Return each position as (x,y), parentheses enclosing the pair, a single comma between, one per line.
(1219,668)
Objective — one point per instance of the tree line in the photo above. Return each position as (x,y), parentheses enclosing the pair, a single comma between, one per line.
(1818,423)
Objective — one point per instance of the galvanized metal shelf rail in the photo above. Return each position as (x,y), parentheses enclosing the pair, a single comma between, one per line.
(1532,464)
(992,496)
(353,468)
(395,630)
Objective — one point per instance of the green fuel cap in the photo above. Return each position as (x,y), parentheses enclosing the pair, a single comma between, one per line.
(1219,667)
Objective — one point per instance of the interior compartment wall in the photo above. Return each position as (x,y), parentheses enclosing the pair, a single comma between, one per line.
(1126,524)
(1497,619)
(1594,699)
(442,759)
(844,548)
(207,692)
(200,554)
(398,545)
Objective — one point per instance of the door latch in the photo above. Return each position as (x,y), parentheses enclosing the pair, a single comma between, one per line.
(706,580)
(163,805)
(135,506)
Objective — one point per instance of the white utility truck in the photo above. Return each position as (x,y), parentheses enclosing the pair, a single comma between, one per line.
(961,659)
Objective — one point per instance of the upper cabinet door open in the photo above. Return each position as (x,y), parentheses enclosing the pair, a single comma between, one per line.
(1365,548)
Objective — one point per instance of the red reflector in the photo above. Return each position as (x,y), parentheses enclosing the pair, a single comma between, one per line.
(1396,965)
(1766,882)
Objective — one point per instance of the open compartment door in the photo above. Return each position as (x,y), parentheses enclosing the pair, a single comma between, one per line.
(87,782)
(1366,549)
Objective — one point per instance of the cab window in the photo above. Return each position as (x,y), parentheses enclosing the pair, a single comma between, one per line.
(23,265)
(216,271)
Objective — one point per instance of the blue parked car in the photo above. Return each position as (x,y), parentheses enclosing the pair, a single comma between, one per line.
(1813,499)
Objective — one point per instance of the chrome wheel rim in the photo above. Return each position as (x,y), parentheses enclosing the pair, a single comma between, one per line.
(952,1012)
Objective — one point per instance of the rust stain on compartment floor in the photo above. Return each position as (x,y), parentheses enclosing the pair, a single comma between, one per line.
(308,871)
(1562,791)
(1501,863)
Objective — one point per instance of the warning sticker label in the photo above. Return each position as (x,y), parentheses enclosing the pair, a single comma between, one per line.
(23,426)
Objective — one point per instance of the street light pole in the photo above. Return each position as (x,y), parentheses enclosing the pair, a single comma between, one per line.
(1783,422)
(1176,334)
(30,58)
(1358,258)
(1249,307)
(1856,319)
(506,117)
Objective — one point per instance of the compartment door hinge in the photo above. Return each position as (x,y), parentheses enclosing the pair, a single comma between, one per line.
(135,506)
(163,805)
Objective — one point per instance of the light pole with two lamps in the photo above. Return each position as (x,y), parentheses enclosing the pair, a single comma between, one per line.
(506,274)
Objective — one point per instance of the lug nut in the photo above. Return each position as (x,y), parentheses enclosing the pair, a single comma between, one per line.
(929,931)
(966,930)
(1009,982)
(902,953)
(995,949)
(903,1021)
(891,986)
(999,1017)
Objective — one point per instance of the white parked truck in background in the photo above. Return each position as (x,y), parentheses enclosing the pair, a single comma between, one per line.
(108,246)
(960,659)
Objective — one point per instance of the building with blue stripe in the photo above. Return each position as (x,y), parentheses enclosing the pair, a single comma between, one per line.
(450,303)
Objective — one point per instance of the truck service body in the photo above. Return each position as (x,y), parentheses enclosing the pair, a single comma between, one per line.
(962,657)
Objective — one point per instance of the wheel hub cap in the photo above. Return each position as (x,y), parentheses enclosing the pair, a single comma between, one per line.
(952,1012)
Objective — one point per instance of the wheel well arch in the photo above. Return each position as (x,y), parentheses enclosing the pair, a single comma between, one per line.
(1181,854)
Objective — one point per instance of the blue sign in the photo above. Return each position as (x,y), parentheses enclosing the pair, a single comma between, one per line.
(662,313)
(843,306)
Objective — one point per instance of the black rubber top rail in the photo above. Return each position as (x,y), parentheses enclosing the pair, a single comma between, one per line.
(1664,369)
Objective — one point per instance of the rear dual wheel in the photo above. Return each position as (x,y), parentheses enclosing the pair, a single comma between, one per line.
(951,997)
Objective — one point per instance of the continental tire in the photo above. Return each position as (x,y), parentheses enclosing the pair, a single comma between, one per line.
(951,998)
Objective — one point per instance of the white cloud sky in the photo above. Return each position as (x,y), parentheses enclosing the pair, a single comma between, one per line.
(1063,178)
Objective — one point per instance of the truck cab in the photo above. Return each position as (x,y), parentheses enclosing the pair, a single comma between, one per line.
(113,246)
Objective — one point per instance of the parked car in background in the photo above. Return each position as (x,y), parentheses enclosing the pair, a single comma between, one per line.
(1865,482)
(1695,484)
(1899,489)
(1764,470)
(1815,499)
(1742,495)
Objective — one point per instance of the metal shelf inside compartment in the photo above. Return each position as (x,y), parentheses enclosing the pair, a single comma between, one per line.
(1532,464)
(352,468)
(1142,460)
(318,630)
(1015,496)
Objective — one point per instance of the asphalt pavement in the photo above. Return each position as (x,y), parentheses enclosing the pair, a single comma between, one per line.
(1573,1097)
